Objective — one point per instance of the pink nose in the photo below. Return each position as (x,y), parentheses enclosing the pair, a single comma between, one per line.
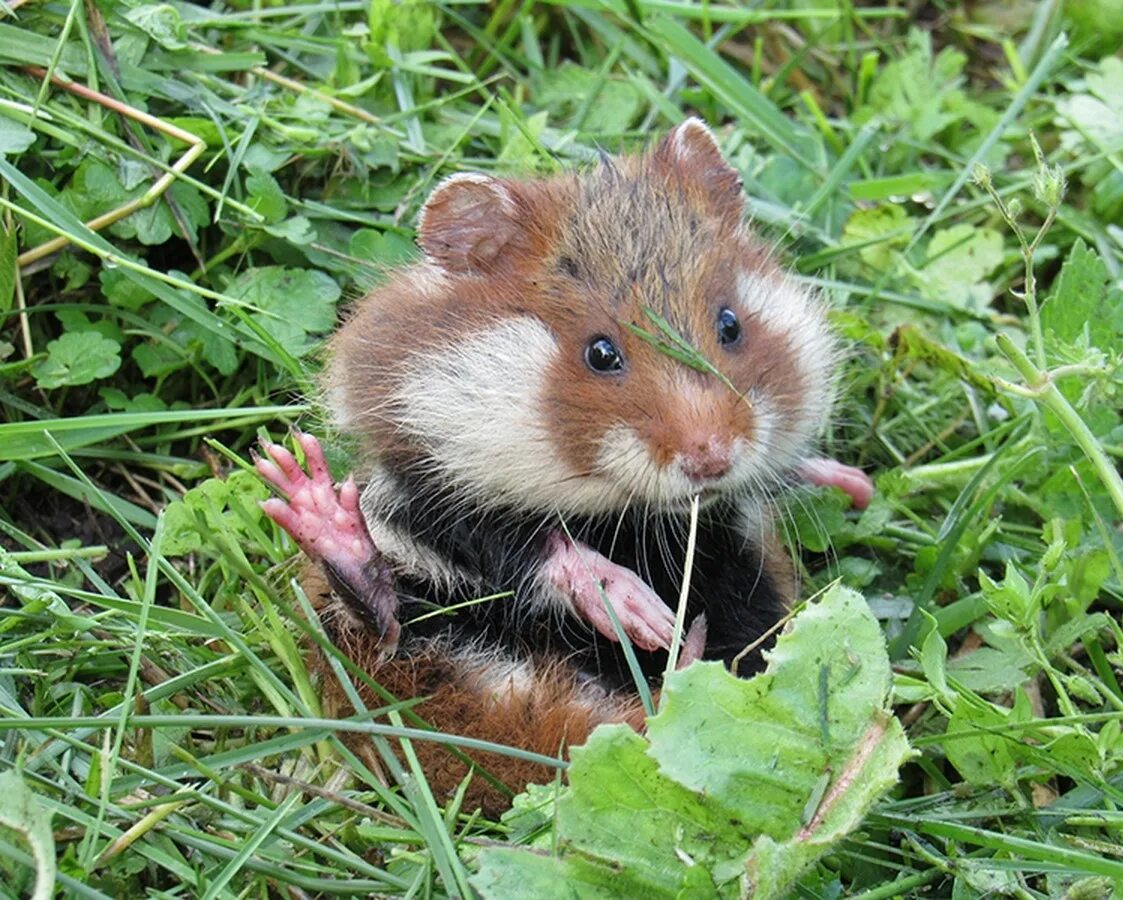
(707,461)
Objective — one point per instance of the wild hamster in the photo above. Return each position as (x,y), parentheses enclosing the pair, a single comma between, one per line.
(537,403)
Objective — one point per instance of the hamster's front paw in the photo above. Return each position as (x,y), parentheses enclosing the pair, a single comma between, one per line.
(848,479)
(328,526)
(586,579)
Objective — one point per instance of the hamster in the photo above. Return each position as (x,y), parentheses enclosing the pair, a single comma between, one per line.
(537,403)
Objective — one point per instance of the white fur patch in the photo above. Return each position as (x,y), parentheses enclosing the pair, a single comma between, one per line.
(478,407)
(503,678)
(754,520)
(682,134)
(497,675)
(781,304)
(342,415)
(626,460)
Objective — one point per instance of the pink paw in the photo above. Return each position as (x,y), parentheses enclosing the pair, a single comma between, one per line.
(328,526)
(580,573)
(848,479)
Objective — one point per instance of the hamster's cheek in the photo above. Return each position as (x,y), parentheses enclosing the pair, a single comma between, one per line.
(479,409)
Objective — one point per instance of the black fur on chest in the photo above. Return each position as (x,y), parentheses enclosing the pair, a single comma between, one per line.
(501,549)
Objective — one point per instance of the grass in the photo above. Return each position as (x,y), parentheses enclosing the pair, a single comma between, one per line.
(154,688)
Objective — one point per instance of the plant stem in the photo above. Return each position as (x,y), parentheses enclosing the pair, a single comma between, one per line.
(1046,392)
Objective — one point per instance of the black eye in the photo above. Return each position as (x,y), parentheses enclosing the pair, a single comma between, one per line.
(728,327)
(569,266)
(601,355)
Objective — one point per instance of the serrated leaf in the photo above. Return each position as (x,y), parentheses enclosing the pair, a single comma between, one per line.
(1080,298)
(960,259)
(161,22)
(879,230)
(77,357)
(918,90)
(986,756)
(215,507)
(739,786)
(265,196)
(93,190)
(781,729)
(1097,116)
(296,230)
(383,248)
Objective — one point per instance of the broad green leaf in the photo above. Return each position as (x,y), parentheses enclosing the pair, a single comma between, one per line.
(94,189)
(879,231)
(960,259)
(382,248)
(986,756)
(1080,299)
(22,812)
(266,196)
(1097,116)
(77,357)
(161,22)
(739,786)
(122,291)
(14,136)
(827,680)
(295,230)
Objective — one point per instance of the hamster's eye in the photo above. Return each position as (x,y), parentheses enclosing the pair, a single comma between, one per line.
(601,355)
(728,326)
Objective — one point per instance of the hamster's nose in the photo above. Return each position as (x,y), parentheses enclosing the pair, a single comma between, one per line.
(707,460)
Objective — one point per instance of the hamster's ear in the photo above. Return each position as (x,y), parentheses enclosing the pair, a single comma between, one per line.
(469,224)
(691,150)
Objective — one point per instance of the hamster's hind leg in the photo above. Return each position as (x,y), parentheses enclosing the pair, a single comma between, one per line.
(327,524)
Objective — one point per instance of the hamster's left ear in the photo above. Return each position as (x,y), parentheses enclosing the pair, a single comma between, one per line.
(691,151)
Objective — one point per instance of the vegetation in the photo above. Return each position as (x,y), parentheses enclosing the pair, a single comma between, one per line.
(951,175)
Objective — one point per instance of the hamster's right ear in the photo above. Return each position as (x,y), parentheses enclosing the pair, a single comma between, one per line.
(470,223)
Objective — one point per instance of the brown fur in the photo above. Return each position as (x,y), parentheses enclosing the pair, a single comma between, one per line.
(553,715)
(585,254)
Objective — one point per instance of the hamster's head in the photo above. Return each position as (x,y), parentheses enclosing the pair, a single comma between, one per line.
(619,339)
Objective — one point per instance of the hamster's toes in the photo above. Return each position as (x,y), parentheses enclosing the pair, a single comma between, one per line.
(323,520)
(587,579)
(848,479)
(327,524)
